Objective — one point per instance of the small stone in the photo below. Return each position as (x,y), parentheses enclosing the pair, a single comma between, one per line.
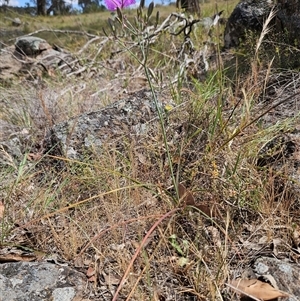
(31,45)
(16,22)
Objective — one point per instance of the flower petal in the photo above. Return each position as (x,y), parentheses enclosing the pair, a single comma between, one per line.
(113,4)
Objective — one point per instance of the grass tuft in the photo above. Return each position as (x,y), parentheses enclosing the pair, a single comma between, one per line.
(225,136)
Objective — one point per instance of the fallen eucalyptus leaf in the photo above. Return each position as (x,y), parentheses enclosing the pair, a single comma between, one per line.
(257,289)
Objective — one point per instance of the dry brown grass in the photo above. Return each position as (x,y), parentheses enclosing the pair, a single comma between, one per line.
(92,23)
(96,212)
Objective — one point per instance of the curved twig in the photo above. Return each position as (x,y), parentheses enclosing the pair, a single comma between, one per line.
(139,249)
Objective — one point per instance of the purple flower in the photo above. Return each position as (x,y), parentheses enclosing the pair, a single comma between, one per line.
(113,4)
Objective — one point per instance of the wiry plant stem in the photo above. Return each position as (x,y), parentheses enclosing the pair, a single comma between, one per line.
(138,250)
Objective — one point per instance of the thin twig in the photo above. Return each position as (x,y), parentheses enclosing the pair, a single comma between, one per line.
(90,42)
(83,33)
(139,249)
(241,129)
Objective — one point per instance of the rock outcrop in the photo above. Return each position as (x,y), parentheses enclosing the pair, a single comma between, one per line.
(129,117)
(281,273)
(31,45)
(249,15)
(40,281)
(32,56)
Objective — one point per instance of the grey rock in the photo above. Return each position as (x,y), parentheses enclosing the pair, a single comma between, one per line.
(9,65)
(25,281)
(64,294)
(33,56)
(13,141)
(130,118)
(247,15)
(288,20)
(55,59)
(127,118)
(31,45)
(16,22)
(285,274)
